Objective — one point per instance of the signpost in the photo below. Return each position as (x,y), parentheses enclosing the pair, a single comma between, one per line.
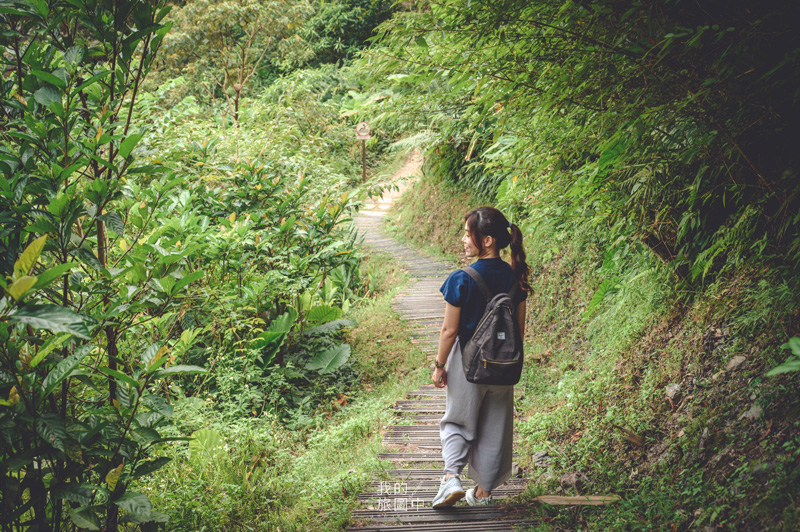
(363,134)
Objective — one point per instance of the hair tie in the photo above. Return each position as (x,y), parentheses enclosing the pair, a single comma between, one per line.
(509,225)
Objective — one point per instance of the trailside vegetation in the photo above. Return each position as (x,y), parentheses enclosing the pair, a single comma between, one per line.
(168,277)
(665,124)
(645,149)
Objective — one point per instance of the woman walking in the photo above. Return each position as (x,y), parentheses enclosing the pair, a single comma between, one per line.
(477,424)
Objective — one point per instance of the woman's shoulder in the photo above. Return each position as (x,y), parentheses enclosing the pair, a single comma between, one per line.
(492,267)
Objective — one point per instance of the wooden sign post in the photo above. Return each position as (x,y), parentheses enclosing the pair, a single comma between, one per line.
(363,134)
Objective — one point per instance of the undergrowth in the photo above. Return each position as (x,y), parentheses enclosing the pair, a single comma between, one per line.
(656,396)
(255,473)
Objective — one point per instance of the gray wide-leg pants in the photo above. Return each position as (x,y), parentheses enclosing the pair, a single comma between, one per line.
(477,427)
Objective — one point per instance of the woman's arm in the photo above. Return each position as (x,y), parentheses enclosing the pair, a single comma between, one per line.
(521,318)
(447,338)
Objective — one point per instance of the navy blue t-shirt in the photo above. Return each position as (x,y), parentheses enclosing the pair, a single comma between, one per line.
(460,290)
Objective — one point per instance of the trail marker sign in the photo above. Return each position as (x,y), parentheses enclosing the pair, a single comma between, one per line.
(363,131)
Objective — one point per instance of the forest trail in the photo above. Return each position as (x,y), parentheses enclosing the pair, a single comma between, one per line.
(401,499)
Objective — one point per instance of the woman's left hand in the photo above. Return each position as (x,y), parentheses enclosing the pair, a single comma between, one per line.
(439,377)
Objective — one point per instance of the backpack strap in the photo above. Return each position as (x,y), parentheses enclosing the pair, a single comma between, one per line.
(472,272)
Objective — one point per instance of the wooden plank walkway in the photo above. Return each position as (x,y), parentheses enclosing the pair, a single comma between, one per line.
(401,500)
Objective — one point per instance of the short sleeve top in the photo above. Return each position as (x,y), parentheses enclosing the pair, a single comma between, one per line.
(461,290)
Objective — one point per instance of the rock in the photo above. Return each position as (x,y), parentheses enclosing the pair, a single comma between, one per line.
(703,437)
(515,470)
(762,470)
(673,390)
(735,362)
(541,459)
(576,480)
(755,412)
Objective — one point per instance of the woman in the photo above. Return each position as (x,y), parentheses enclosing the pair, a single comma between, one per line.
(477,424)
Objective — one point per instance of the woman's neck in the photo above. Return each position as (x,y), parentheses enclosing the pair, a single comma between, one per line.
(489,254)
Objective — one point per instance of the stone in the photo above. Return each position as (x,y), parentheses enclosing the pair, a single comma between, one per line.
(541,459)
(735,362)
(762,470)
(701,445)
(576,480)
(755,412)
(673,390)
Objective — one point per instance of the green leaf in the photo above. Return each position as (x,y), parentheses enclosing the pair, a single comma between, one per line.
(135,503)
(64,369)
(41,7)
(94,79)
(50,427)
(48,276)
(50,78)
(323,313)
(268,343)
(330,359)
(151,352)
(793,364)
(112,477)
(47,95)
(794,345)
(127,145)
(287,224)
(186,280)
(51,344)
(178,370)
(25,262)
(74,493)
(114,222)
(84,517)
(422,42)
(149,435)
(19,287)
(74,55)
(329,327)
(51,317)
(149,467)
(205,444)
(284,322)
(120,377)
(158,404)
(87,257)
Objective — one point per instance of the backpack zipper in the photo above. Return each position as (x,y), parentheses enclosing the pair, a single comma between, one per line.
(499,363)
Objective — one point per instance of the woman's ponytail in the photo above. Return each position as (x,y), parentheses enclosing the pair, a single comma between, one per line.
(520,268)
(488,221)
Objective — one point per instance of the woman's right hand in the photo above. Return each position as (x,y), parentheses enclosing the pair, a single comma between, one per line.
(439,377)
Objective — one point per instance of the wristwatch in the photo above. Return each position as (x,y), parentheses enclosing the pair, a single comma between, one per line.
(436,363)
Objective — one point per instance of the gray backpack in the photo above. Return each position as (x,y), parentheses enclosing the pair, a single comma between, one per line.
(494,353)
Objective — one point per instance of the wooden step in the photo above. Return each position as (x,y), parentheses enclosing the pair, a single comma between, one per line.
(415,512)
(480,526)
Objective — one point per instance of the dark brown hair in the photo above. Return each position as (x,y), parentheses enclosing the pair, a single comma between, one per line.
(488,221)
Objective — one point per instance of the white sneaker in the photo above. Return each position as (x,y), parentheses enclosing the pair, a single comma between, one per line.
(474,501)
(450,492)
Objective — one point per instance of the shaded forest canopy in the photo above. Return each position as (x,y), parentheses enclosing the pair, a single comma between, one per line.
(177,262)
(670,123)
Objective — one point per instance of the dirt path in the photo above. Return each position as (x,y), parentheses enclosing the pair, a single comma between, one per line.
(401,500)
